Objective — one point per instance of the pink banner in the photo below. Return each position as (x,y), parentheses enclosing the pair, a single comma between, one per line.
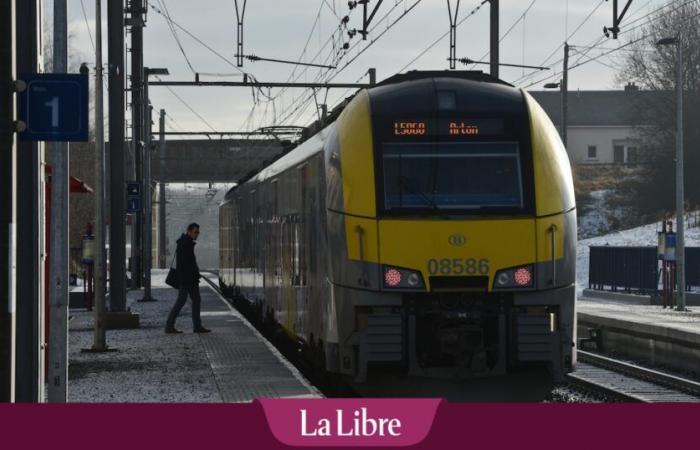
(350,422)
(276,424)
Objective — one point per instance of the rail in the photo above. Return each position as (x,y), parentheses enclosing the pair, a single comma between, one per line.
(631,382)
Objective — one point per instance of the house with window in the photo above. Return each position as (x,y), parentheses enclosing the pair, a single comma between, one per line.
(603,126)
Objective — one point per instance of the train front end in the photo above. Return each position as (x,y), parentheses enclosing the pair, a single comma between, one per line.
(451,230)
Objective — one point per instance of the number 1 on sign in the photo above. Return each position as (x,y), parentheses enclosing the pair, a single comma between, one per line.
(53,104)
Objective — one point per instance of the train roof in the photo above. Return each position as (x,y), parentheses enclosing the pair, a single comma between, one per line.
(472,75)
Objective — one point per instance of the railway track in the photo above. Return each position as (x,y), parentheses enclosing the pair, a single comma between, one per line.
(629,382)
(616,379)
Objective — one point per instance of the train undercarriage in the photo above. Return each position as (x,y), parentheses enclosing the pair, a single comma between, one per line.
(466,334)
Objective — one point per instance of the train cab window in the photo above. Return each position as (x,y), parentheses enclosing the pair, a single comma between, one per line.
(452,176)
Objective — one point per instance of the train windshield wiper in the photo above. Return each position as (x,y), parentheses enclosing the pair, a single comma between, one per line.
(404,183)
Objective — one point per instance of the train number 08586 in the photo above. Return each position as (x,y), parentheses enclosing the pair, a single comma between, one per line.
(458,266)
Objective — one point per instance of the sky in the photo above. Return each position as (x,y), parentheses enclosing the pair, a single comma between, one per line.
(281,28)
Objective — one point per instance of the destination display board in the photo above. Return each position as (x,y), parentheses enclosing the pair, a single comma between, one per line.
(447,127)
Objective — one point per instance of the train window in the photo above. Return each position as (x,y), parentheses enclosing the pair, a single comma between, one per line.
(452,175)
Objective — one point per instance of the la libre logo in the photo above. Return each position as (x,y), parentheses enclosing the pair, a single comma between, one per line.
(356,424)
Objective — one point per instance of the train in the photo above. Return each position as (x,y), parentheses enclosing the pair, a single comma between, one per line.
(428,225)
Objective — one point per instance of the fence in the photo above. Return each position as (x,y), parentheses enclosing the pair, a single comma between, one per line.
(635,268)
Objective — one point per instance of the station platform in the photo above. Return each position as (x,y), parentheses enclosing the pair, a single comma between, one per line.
(233,363)
(628,326)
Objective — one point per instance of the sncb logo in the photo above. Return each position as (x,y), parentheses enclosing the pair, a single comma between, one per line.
(457,240)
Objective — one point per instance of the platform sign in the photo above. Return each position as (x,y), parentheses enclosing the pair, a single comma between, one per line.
(670,247)
(133,188)
(133,204)
(133,196)
(661,246)
(54,107)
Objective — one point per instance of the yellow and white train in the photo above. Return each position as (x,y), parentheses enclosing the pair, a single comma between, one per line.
(432,224)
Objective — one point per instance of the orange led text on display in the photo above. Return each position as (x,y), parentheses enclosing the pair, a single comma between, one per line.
(410,129)
(463,129)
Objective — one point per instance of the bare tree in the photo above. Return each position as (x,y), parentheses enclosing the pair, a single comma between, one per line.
(654,70)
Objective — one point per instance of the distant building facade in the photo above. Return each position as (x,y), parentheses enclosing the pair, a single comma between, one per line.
(603,126)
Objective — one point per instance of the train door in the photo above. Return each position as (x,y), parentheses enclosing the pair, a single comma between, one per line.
(238,229)
(313,248)
(302,253)
(252,245)
(272,282)
(258,247)
(232,241)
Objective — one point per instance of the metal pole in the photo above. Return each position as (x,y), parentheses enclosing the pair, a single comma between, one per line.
(58,267)
(565,97)
(99,342)
(138,110)
(30,317)
(494,52)
(8,177)
(266,84)
(680,203)
(117,194)
(147,203)
(161,194)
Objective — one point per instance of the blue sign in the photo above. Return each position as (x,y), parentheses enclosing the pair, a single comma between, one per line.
(670,250)
(133,188)
(54,107)
(133,204)
(671,240)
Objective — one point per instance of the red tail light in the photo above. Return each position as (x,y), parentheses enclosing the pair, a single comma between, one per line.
(392,277)
(522,276)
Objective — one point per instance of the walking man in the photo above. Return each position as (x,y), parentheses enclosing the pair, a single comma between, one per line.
(188,275)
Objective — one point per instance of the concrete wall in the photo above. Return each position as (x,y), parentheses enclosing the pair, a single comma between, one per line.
(211,160)
(604,138)
(656,345)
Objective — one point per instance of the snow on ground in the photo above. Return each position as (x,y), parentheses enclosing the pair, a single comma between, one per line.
(635,237)
(593,220)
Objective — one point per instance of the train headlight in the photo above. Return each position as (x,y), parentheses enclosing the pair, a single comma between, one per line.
(400,278)
(502,279)
(515,278)
(413,280)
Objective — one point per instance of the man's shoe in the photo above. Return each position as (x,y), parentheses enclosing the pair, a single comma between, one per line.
(202,330)
(172,330)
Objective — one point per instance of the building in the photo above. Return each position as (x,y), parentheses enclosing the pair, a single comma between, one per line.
(603,126)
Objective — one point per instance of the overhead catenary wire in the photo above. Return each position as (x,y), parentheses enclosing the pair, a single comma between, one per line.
(632,42)
(173,31)
(601,38)
(87,25)
(188,106)
(655,15)
(303,102)
(443,36)
(521,17)
(198,40)
(329,76)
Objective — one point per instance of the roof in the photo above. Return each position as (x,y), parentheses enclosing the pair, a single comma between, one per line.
(603,108)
